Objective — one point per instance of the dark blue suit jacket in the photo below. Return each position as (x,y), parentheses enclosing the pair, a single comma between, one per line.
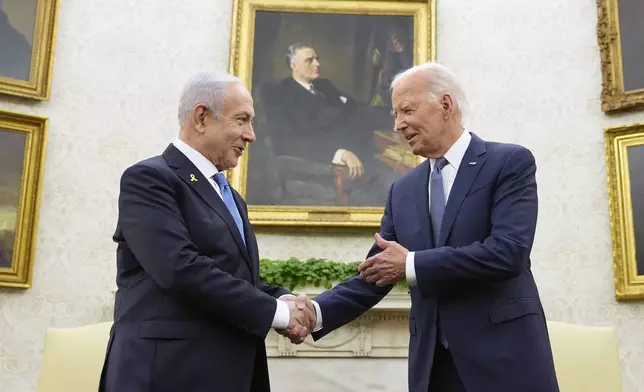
(477,278)
(191,313)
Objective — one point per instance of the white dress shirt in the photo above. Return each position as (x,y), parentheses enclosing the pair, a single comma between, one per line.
(454,157)
(282,316)
(309,87)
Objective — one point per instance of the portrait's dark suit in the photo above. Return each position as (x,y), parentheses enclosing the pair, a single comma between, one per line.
(315,126)
(191,312)
(475,285)
(15,61)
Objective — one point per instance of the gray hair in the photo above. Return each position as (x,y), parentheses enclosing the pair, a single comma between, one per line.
(205,88)
(292,51)
(440,80)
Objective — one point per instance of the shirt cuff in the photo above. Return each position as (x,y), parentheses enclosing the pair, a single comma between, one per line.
(282,316)
(410,269)
(318,317)
(337,158)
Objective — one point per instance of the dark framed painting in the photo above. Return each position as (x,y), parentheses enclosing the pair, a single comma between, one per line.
(319,72)
(624,161)
(620,33)
(27,37)
(22,152)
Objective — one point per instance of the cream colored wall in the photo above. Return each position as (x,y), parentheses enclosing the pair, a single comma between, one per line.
(531,70)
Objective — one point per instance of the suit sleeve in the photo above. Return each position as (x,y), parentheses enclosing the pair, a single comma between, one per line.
(273,291)
(505,253)
(152,224)
(353,297)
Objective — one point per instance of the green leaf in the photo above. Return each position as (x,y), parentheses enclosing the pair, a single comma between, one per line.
(293,272)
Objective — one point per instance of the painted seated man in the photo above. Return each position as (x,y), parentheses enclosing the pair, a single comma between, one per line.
(312,119)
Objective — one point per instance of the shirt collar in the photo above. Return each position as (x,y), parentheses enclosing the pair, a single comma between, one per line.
(456,153)
(307,86)
(207,168)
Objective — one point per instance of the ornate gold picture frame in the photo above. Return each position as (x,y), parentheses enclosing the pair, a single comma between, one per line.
(319,72)
(624,161)
(27,39)
(22,154)
(620,34)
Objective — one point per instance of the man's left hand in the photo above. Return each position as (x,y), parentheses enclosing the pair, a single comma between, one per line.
(388,266)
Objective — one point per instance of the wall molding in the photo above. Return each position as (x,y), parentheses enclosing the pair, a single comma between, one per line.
(377,334)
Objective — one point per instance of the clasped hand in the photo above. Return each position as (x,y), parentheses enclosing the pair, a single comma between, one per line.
(303,318)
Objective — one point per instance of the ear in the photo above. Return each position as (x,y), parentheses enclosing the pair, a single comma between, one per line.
(198,118)
(447,104)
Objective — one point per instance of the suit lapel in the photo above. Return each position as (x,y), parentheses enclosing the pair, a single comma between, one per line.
(421,198)
(464,179)
(187,171)
(251,246)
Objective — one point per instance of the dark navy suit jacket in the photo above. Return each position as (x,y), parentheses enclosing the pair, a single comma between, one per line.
(477,278)
(191,313)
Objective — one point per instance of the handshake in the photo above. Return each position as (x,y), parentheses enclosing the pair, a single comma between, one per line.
(303,318)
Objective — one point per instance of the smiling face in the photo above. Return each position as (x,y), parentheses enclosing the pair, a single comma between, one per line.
(224,139)
(422,119)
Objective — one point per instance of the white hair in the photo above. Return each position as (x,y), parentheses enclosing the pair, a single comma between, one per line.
(205,88)
(440,80)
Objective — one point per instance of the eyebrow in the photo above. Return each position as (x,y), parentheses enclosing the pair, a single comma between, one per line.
(243,114)
(402,106)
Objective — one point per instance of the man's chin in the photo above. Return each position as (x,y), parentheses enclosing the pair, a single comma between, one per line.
(232,163)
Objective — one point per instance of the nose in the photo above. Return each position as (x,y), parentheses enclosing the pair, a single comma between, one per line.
(316,63)
(400,125)
(250,135)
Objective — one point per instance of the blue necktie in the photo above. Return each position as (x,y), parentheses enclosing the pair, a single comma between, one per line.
(436,210)
(227,195)
(437,198)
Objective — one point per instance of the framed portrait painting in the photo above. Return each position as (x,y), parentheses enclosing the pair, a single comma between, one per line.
(319,72)
(620,33)
(27,37)
(22,152)
(624,161)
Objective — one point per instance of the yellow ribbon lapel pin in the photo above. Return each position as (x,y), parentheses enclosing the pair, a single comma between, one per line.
(193,178)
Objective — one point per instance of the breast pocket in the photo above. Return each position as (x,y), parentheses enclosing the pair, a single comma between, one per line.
(514,309)
(478,189)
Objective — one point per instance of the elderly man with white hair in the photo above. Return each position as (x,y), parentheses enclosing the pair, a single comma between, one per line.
(191,312)
(459,230)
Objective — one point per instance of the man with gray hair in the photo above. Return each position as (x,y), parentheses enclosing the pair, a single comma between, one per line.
(459,230)
(191,311)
